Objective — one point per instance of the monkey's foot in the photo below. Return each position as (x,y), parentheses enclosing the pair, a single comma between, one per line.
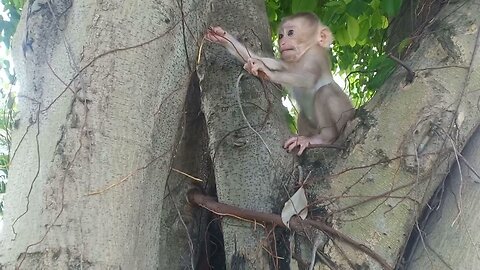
(302,142)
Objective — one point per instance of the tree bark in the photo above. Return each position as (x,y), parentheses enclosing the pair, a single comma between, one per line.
(112,134)
(407,140)
(449,238)
(246,130)
(92,159)
(110,139)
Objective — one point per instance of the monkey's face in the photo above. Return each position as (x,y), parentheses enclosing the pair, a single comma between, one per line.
(294,38)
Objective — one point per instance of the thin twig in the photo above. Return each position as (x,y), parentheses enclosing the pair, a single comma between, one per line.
(470,167)
(123,179)
(187,175)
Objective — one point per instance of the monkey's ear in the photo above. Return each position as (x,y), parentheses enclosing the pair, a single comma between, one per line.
(325,37)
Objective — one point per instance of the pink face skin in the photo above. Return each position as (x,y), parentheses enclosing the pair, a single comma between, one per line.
(293,38)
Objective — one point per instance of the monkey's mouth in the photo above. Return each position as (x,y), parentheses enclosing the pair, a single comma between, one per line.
(285,50)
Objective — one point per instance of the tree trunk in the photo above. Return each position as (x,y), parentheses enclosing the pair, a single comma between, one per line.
(450,237)
(246,130)
(92,159)
(116,125)
(111,136)
(406,141)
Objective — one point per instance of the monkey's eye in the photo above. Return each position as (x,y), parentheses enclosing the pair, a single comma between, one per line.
(280,36)
(290,33)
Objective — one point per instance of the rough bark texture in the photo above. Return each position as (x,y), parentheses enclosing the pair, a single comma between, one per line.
(89,173)
(376,201)
(450,238)
(411,21)
(91,183)
(249,172)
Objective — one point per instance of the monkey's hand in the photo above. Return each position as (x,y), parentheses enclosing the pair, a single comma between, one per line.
(257,68)
(303,143)
(216,35)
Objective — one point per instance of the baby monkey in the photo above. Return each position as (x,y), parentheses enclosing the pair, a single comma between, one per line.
(304,65)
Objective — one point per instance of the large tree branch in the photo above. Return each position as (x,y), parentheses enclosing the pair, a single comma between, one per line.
(304,227)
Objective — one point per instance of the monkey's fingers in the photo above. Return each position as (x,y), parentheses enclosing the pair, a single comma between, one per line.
(217,30)
(293,145)
(216,34)
(298,141)
(290,141)
(255,68)
(213,38)
(259,68)
(303,146)
(248,67)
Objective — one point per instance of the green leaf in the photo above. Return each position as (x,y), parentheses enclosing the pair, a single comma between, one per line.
(384,22)
(10,102)
(377,21)
(345,59)
(353,28)
(357,8)
(14,17)
(341,36)
(2,23)
(334,4)
(3,187)
(18,4)
(6,64)
(12,78)
(8,31)
(391,7)
(404,44)
(384,66)
(334,20)
(364,29)
(376,63)
(272,15)
(303,5)
(291,122)
(15,3)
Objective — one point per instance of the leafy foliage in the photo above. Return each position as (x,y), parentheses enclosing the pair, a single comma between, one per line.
(8,25)
(7,114)
(359,27)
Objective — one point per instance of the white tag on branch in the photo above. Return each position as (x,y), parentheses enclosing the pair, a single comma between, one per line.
(296,205)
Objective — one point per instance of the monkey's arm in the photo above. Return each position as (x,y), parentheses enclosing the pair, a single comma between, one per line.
(237,49)
(273,64)
(279,72)
(218,35)
(295,80)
